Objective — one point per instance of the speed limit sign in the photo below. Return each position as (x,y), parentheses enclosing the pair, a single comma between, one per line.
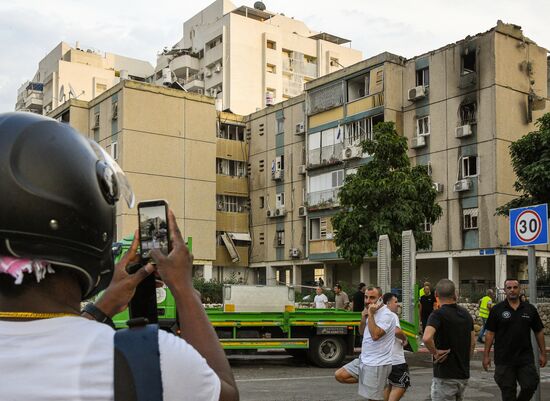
(529,225)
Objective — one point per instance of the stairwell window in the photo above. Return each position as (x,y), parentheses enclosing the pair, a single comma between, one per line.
(423,77)
(423,126)
(280,238)
(470,166)
(470,218)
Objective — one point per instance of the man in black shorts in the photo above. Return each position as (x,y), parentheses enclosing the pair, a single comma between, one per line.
(399,379)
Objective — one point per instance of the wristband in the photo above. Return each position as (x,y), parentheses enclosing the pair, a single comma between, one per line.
(98,315)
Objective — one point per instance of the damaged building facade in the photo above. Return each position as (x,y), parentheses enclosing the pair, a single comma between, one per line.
(257,192)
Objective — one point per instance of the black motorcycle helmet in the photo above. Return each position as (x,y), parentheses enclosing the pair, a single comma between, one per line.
(58,196)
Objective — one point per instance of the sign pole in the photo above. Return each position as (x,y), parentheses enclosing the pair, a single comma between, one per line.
(532,272)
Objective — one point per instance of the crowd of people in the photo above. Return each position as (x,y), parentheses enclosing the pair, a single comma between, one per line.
(382,373)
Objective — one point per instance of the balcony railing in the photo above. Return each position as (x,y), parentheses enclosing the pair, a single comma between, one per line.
(326,198)
(326,155)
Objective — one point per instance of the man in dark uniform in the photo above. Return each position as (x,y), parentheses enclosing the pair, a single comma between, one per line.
(426,305)
(359,298)
(509,325)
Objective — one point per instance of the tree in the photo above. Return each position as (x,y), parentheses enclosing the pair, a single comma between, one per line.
(385,196)
(531,164)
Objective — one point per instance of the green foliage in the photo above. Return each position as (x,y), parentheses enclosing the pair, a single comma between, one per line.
(386,196)
(531,162)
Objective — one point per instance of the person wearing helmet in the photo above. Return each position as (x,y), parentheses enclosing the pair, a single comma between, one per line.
(57,219)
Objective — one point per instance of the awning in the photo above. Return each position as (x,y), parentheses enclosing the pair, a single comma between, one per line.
(240,237)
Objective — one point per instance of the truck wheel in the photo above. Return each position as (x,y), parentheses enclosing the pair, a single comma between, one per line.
(327,351)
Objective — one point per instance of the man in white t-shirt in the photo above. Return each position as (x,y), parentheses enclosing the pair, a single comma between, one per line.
(378,329)
(61,192)
(320,301)
(399,378)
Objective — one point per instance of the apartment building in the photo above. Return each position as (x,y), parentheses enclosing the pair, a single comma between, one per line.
(460,108)
(249,57)
(76,73)
(165,140)
(233,219)
(277,195)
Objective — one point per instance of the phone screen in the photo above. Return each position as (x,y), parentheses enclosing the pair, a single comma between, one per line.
(153,228)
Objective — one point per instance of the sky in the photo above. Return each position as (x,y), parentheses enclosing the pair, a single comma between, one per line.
(30,29)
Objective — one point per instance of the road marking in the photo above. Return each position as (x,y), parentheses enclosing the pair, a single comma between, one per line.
(284,378)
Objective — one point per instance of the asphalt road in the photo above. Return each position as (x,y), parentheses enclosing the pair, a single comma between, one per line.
(277,377)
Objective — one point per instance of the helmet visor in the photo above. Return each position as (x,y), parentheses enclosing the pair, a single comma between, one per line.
(122,183)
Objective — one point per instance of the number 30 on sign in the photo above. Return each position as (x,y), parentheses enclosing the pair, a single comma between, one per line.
(529,225)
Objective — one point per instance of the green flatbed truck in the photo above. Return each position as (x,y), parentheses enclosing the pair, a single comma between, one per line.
(323,336)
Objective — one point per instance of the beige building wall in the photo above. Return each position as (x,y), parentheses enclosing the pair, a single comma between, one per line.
(251,56)
(167,148)
(71,72)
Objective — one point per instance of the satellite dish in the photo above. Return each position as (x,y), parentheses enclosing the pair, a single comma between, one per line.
(259,6)
(61,96)
(72,93)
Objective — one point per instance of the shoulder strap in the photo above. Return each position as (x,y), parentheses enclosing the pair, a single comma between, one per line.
(137,375)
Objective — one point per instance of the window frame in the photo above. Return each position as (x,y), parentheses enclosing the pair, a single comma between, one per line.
(419,124)
(465,166)
(470,215)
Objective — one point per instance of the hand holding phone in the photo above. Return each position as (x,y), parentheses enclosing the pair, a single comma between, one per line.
(153,228)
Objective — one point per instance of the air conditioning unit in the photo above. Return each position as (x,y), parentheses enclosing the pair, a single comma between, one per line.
(438,187)
(302,169)
(463,130)
(418,142)
(463,185)
(270,213)
(302,211)
(300,128)
(207,73)
(352,152)
(278,175)
(417,93)
(280,211)
(294,252)
(218,68)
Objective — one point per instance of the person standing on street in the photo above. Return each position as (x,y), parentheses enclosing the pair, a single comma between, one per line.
(359,298)
(320,301)
(426,305)
(57,226)
(485,305)
(399,379)
(509,325)
(378,329)
(449,336)
(341,299)
(423,289)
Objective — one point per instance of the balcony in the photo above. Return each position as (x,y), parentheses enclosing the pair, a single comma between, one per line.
(33,101)
(323,199)
(194,84)
(467,79)
(232,221)
(181,64)
(322,246)
(229,185)
(325,156)
(299,67)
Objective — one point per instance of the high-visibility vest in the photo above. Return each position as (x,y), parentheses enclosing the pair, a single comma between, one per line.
(421,292)
(484,306)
